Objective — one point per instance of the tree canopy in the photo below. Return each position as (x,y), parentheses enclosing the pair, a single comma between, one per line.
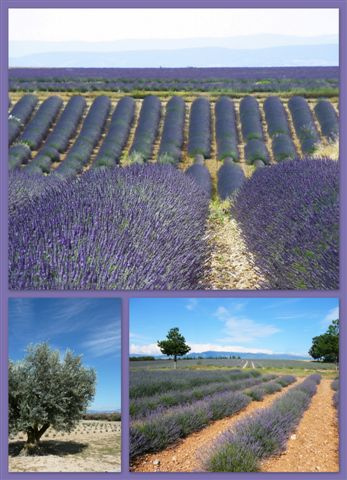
(174,345)
(45,390)
(325,347)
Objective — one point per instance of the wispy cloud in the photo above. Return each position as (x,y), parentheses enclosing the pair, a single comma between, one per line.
(239,329)
(104,341)
(333,314)
(192,304)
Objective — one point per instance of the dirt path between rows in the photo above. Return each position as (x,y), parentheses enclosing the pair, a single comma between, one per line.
(314,448)
(185,455)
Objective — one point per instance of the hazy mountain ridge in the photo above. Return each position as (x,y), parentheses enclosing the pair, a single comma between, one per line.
(292,55)
(253,356)
(22,48)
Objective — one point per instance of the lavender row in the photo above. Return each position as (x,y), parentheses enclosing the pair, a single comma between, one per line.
(262,434)
(19,154)
(148,382)
(90,134)
(37,129)
(199,141)
(306,191)
(146,129)
(304,124)
(277,123)
(143,406)
(67,124)
(230,179)
(335,385)
(20,114)
(252,131)
(141,227)
(201,175)
(328,119)
(258,392)
(170,150)
(117,135)
(226,131)
(158,431)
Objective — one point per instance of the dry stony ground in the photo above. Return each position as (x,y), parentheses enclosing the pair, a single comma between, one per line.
(94,446)
(312,448)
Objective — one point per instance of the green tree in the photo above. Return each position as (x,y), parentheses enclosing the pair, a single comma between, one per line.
(325,347)
(174,345)
(45,390)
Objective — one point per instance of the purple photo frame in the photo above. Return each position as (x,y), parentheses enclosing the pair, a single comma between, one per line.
(5,293)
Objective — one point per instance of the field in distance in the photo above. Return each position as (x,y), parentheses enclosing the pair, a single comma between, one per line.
(93,446)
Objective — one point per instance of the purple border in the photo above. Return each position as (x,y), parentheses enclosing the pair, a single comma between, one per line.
(5,294)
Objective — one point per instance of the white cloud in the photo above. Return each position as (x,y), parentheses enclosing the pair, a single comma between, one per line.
(192,304)
(153,349)
(149,349)
(333,314)
(239,329)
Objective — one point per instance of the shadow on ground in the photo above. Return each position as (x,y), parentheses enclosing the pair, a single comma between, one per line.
(47,447)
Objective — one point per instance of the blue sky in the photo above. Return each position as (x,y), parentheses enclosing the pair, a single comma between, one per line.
(91,327)
(269,325)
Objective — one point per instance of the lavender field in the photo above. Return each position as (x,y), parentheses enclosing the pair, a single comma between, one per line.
(222,415)
(205,181)
(228,80)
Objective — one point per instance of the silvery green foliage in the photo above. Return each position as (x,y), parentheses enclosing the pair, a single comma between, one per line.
(45,390)
(289,217)
(140,227)
(263,433)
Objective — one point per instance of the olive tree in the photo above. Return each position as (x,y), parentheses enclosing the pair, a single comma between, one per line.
(46,390)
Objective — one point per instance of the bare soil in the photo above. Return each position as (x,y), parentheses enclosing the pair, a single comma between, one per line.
(187,454)
(94,446)
(315,444)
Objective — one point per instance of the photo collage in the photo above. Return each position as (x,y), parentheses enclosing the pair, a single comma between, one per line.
(172,258)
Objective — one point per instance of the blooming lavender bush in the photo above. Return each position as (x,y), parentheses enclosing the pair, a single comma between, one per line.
(199,141)
(37,129)
(173,129)
(132,228)
(226,130)
(289,217)
(262,434)
(328,119)
(149,382)
(143,406)
(230,178)
(276,118)
(201,175)
(159,430)
(20,114)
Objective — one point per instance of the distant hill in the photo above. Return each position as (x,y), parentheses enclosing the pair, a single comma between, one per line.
(289,55)
(254,356)
(265,40)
